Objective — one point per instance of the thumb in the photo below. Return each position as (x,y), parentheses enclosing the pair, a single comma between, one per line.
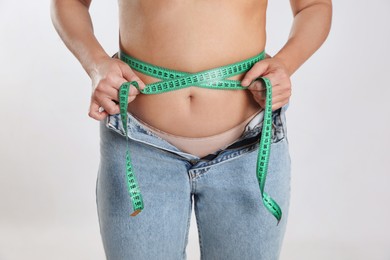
(256,71)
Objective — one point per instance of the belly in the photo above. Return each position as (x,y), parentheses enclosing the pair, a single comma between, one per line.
(181,36)
(194,111)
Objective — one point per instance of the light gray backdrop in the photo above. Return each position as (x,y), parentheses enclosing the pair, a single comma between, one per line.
(338,127)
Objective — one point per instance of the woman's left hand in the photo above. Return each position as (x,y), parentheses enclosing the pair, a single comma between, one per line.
(275,70)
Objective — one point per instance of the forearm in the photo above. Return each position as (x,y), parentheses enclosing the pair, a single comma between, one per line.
(310,28)
(73,23)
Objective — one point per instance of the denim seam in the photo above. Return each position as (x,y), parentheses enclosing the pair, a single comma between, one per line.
(188,228)
(198,174)
(193,184)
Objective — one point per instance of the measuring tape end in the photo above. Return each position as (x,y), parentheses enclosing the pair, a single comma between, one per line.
(277,223)
(135,213)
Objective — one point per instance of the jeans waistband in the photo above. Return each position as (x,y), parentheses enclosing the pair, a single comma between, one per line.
(137,132)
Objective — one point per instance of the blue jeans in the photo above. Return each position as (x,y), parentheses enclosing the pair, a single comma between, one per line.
(231,218)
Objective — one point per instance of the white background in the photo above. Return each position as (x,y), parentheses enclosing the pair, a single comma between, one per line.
(338,128)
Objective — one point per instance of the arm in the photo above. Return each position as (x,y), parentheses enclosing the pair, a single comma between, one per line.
(73,23)
(311,26)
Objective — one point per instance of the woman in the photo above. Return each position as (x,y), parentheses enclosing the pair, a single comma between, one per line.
(197,143)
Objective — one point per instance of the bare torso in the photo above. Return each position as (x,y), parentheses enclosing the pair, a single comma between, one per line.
(193,35)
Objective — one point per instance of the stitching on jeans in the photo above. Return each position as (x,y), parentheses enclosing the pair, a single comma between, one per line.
(188,227)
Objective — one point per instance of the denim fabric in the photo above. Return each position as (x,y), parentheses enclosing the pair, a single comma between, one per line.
(231,218)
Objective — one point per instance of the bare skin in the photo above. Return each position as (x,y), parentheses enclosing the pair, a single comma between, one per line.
(191,35)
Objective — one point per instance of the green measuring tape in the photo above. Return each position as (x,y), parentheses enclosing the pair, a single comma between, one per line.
(214,79)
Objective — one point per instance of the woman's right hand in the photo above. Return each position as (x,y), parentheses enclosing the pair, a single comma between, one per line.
(107,77)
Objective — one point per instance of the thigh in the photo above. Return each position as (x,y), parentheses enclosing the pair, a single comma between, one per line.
(160,230)
(232,220)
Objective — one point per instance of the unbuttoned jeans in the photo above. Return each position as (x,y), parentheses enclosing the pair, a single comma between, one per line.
(231,219)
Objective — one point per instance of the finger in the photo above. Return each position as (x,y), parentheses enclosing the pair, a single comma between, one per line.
(276,90)
(107,92)
(278,105)
(131,98)
(279,92)
(112,93)
(258,97)
(110,106)
(257,70)
(257,85)
(277,96)
(95,113)
(106,102)
(259,94)
(133,91)
(277,99)
(115,83)
(129,75)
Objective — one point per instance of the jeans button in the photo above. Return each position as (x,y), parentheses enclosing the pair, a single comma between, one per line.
(193,161)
